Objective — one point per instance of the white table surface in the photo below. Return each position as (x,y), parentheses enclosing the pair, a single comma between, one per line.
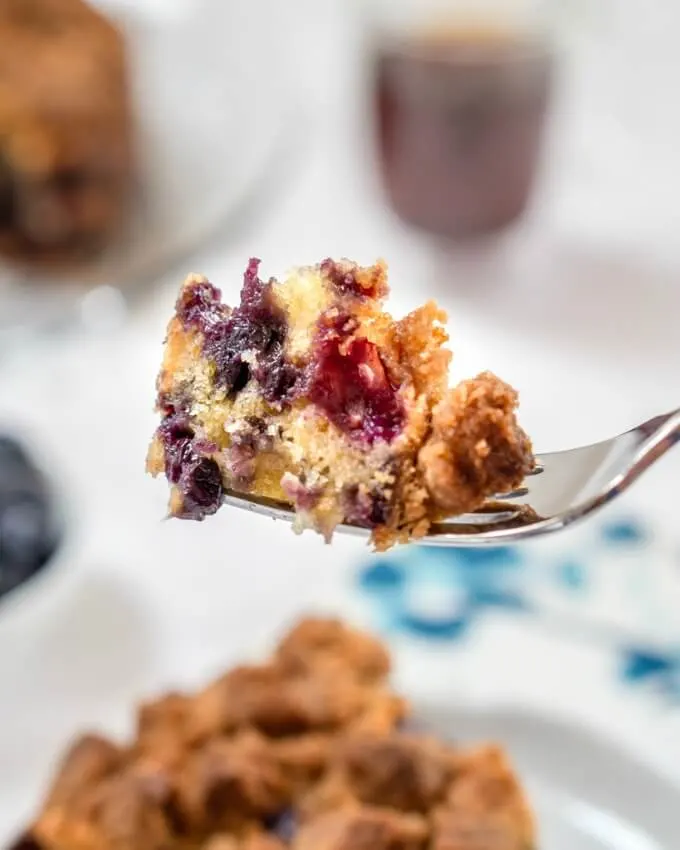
(578,309)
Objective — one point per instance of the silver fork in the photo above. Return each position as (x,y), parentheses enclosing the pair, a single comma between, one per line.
(564,487)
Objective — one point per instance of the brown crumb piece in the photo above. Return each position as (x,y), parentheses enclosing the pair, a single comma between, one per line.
(476,447)
(162,730)
(304,758)
(392,770)
(266,698)
(363,828)
(130,815)
(231,780)
(485,784)
(331,793)
(90,759)
(316,642)
(323,676)
(382,712)
(121,813)
(452,830)
(245,696)
(396,771)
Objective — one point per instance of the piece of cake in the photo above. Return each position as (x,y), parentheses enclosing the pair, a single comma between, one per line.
(308,393)
(66,150)
(304,751)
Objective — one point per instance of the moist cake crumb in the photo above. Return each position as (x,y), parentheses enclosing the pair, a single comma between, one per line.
(309,393)
(272,756)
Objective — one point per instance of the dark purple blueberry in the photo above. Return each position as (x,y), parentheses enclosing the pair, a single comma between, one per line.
(349,382)
(256,326)
(8,193)
(252,289)
(241,378)
(199,305)
(196,476)
(277,377)
(201,485)
(23,530)
(365,509)
(225,344)
(380,509)
(279,382)
(13,458)
(30,525)
(176,434)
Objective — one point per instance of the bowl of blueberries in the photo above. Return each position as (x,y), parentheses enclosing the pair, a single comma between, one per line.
(31,525)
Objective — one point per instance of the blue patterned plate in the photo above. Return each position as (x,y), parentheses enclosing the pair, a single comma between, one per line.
(583,629)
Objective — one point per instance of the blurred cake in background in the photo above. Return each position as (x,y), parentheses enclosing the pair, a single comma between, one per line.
(66,153)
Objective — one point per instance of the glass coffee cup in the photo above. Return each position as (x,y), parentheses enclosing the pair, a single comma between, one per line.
(461,95)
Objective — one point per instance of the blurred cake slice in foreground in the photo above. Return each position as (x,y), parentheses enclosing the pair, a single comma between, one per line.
(304,751)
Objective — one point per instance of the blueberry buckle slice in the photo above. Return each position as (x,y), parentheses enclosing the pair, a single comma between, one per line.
(308,392)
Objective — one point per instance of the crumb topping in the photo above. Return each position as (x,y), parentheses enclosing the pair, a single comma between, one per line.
(303,751)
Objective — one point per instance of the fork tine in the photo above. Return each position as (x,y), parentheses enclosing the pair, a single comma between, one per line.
(513,494)
(497,513)
(481,518)
(579,482)
(520,492)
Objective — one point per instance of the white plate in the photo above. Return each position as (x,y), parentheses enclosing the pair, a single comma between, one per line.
(212,97)
(587,795)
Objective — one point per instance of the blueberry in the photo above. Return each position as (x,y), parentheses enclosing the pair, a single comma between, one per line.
(23,527)
(186,465)
(201,485)
(350,383)
(257,325)
(29,528)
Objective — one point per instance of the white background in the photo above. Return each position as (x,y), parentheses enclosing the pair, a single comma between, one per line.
(579,309)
